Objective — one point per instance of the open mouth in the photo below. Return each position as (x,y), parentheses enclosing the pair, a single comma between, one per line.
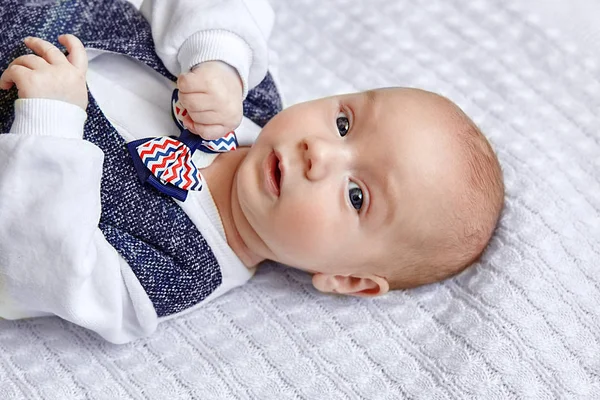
(273,174)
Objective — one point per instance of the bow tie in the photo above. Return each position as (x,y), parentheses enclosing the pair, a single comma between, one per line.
(165,162)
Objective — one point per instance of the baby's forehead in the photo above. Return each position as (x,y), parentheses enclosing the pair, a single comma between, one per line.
(413,151)
(405,132)
(414,114)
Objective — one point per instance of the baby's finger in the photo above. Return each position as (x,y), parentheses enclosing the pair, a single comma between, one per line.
(77,55)
(206,117)
(188,123)
(194,102)
(14,74)
(46,50)
(191,83)
(30,61)
(210,132)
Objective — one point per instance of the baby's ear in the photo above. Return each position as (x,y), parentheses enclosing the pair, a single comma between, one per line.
(354,285)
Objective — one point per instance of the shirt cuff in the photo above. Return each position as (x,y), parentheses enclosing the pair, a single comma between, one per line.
(217,45)
(46,117)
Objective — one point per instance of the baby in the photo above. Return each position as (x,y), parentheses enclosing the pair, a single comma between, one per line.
(385,189)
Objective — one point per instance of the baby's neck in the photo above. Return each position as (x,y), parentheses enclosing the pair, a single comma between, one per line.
(220,177)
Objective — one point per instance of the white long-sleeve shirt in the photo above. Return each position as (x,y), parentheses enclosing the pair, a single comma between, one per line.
(54,260)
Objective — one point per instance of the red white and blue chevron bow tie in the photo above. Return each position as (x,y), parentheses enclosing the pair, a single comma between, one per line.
(166,162)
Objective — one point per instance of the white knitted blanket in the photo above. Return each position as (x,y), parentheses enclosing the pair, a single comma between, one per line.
(523,323)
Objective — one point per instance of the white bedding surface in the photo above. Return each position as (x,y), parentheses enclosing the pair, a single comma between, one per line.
(522,323)
(576,20)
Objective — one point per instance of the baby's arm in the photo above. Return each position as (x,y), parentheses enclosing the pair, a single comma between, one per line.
(218,49)
(53,258)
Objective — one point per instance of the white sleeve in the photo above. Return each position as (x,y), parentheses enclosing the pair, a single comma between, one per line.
(54,260)
(188,32)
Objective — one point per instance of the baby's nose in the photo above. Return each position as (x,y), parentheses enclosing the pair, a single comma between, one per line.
(321,157)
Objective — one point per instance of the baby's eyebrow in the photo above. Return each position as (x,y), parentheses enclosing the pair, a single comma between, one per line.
(385,192)
(383,199)
(365,114)
(371,96)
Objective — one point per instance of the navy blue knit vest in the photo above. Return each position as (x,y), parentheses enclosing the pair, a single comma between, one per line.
(169,256)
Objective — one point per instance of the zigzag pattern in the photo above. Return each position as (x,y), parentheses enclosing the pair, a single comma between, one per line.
(170,161)
(178,110)
(224,144)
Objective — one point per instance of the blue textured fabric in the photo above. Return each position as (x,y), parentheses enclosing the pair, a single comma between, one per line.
(166,252)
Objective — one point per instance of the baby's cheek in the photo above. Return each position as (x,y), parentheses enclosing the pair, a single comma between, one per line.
(306,229)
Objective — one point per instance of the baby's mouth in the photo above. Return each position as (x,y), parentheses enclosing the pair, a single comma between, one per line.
(274,174)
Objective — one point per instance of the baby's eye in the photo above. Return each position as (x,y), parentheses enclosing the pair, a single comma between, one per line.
(343,123)
(355,195)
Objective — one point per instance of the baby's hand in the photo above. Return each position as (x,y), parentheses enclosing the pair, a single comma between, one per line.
(212,94)
(50,74)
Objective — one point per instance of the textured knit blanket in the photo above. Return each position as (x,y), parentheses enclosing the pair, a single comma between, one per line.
(522,323)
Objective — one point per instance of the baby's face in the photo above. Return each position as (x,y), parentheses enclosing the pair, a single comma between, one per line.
(331,184)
